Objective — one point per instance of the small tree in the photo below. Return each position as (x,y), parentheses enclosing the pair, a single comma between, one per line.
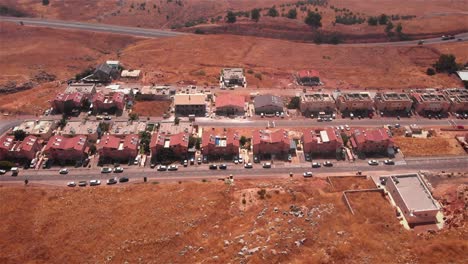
(430,71)
(231,17)
(242,140)
(176,120)
(383,19)
(92,149)
(45,2)
(313,19)
(295,103)
(272,12)
(372,21)
(133,116)
(446,63)
(19,135)
(388,29)
(292,14)
(399,29)
(255,14)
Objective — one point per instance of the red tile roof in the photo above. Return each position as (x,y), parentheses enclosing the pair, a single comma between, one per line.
(76,97)
(28,143)
(116,98)
(311,135)
(7,142)
(113,142)
(268,136)
(63,143)
(108,141)
(375,135)
(175,139)
(131,142)
(223,100)
(308,73)
(210,138)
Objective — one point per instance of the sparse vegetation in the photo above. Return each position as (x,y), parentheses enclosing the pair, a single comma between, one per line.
(145,139)
(292,14)
(272,12)
(255,14)
(231,17)
(258,76)
(9,11)
(133,116)
(261,193)
(383,19)
(430,71)
(313,19)
(446,63)
(372,21)
(176,120)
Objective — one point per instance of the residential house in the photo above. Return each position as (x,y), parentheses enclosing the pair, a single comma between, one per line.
(66,103)
(354,101)
(322,141)
(268,104)
(169,146)
(430,101)
(130,74)
(220,144)
(232,77)
(308,78)
(114,103)
(458,99)
(66,149)
(118,149)
(104,73)
(267,142)
(25,149)
(87,128)
(372,141)
(190,104)
(393,102)
(317,102)
(229,104)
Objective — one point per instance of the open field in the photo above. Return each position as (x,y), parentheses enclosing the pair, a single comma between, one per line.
(211,222)
(351,183)
(151,108)
(432,17)
(434,146)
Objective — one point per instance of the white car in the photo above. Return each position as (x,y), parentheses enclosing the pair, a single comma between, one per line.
(373,162)
(94,182)
(106,170)
(241,160)
(162,168)
(2,172)
(63,171)
(248,165)
(267,165)
(347,127)
(71,184)
(307,174)
(173,168)
(118,170)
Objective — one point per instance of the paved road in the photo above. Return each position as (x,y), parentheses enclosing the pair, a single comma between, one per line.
(134,31)
(9,123)
(146,32)
(338,122)
(279,169)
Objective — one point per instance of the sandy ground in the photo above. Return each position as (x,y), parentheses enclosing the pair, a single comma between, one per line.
(151,108)
(435,146)
(296,222)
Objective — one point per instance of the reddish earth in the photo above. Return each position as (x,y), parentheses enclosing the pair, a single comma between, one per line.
(211,222)
(151,108)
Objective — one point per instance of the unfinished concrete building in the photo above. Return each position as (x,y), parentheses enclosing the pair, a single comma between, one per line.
(308,78)
(414,199)
(430,101)
(190,104)
(317,102)
(458,100)
(393,102)
(356,101)
(232,77)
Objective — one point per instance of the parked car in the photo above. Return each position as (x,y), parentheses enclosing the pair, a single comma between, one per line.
(289,157)
(152,166)
(241,160)
(106,170)
(162,168)
(347,128)
(14,171)
(307,174)
(123,179)
(328,164)
(223,166)
(2,172)
(63,171)
(94,182)
(86,162)
(192,161)
(205,159)
(373,162)
(118,170)
(111,181)
(71,184)
(389,162)
(256,159)
(172,168)
(185,163)
(213,167)
(236,161)
(199,161)
(266,165)
(248,165)
(316,165)
(307,157)
(82,183)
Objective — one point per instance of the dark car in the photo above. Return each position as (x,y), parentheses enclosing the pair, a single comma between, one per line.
(111,181)
(213,167)
(223,166)
(123,179)
(85,162)
(256,159)
(328,164)
(82,183)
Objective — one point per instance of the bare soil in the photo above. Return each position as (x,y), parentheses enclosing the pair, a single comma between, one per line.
(151,108)
(434,146)
(295,222)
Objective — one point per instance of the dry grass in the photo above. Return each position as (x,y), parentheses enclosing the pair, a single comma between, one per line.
(435,146)
(351,183)
(151,108)
(189,222)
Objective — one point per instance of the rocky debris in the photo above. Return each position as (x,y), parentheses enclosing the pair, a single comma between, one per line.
(246,251)
(300,242)
(340,233)
(275,209)
(262,213)
(13,87)
(226,243)
(241,241)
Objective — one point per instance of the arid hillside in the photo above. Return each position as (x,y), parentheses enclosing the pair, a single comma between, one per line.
(418,18)
(274,222)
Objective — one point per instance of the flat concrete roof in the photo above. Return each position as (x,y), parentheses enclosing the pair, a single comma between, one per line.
(35,127)
(80,127)
(189,99)
(414,193)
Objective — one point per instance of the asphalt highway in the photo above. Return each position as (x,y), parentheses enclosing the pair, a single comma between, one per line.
(157,33)
(279,169)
